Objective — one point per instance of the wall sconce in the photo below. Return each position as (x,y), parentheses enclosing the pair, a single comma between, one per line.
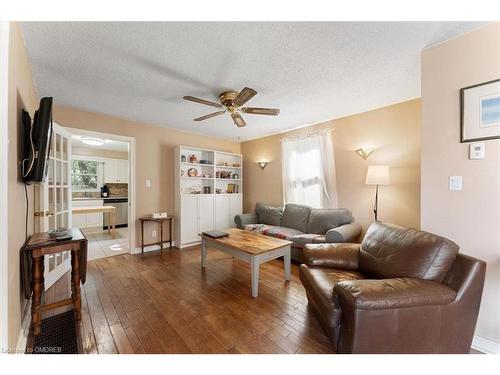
(363,153)
(262,164)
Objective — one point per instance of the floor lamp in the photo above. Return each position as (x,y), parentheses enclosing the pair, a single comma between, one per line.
(377,175)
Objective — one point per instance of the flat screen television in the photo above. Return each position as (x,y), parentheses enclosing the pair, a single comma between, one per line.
(37,143)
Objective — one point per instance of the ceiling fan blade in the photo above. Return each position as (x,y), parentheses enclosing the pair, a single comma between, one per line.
(261,111)
(209,116)
(244,96)
(238,120)
(202,101)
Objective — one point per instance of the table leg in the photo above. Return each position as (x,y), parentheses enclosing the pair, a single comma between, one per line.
(113,215)
(75,284)
(170,232)
(254,264)
(142,237)
(37,286)
(203,253)
(108,214)
(161,235)
(288,263)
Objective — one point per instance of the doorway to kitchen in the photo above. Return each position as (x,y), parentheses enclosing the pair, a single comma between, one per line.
(102,191)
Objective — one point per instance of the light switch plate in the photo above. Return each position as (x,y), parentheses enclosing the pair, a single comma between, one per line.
(477,150)
(148,183)
(455,183)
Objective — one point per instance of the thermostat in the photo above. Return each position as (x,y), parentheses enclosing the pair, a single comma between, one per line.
(477,150)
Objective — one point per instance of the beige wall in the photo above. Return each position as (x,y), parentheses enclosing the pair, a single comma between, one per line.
(394,134)
(154,154)
(87,151)
(470,217)
(22,95)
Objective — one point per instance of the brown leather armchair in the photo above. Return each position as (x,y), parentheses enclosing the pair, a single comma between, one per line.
(400,291)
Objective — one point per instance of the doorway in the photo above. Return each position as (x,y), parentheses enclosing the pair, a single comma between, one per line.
(102,176)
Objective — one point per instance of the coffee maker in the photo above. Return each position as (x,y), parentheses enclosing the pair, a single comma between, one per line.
(104,191)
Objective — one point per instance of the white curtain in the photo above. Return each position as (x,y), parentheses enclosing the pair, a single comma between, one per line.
(308,168)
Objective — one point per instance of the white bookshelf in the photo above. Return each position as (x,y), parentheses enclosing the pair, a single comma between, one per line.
(211,197)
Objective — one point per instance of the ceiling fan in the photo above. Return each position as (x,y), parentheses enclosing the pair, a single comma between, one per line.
(232,102)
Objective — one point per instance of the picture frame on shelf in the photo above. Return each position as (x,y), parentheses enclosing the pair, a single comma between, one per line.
(480,112)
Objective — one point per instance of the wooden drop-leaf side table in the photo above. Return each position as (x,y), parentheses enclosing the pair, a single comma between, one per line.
(41,244)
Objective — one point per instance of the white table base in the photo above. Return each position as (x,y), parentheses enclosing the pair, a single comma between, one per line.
(254,260)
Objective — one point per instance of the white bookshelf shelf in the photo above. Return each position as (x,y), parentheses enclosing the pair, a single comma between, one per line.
(197,164)
(226,167)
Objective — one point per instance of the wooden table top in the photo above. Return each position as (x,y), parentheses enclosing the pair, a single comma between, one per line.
(149,218)
(90,209)
(38,240)
(253,243)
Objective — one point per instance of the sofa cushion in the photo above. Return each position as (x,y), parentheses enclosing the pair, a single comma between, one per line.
(261,228)
(319,283)
(300,240)
(390,251)
(296,216)
(321,220)
(268,214)
(281,232)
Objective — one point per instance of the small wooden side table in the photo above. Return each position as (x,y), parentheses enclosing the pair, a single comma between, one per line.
(41,244)
(160,226)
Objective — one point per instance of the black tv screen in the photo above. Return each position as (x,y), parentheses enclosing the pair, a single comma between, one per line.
(38,138)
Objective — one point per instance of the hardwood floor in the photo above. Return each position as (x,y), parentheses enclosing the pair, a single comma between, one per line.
(165,303)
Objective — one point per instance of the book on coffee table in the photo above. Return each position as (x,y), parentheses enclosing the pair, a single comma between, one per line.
(215,234)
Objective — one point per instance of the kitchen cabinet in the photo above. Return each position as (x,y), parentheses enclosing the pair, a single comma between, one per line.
(115,170)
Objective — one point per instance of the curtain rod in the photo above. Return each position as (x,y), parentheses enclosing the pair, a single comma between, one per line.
(302,136)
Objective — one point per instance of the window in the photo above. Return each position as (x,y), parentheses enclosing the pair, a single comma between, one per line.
(309,170)
(86,175)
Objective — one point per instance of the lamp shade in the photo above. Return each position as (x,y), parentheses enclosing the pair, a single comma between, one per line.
(377,175)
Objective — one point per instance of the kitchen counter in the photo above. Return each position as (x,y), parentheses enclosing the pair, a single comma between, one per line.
(96,198)
(107,210)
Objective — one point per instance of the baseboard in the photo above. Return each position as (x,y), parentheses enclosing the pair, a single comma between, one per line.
(485,345)
(166,246)
(22,340)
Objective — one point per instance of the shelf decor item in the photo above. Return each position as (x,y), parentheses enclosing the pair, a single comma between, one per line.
(192,172)
(480,112)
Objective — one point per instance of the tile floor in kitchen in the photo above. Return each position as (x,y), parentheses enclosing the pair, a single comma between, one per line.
(102,245)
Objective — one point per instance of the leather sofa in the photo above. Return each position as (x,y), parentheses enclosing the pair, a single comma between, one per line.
(399,291)
(301,224)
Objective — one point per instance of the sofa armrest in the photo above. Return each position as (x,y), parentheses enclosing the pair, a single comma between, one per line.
(344,233)
(392,293)
(342,256)
(245,219)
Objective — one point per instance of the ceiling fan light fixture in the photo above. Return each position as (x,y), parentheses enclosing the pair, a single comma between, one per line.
(232,102)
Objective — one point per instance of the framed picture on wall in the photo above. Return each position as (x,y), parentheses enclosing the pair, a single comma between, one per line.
(480,112)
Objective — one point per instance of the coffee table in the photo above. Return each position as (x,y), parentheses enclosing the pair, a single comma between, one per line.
(251,247)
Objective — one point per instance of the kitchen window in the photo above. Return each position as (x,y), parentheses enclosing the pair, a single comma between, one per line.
(86,175)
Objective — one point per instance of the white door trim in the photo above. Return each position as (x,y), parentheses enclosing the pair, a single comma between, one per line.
(131,183)
(4,169)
